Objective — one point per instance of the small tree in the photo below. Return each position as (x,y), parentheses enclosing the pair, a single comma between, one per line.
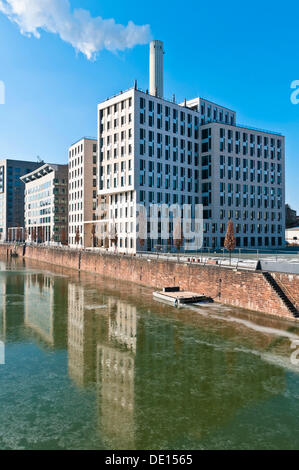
(63,236)
(116,238)
(106,243)
(230,241)
(19,234)
(40,235)
(77,237)
(93,235)
(104,236)
(177,234)
(113,236)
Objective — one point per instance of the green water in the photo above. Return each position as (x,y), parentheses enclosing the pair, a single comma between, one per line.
(97,364)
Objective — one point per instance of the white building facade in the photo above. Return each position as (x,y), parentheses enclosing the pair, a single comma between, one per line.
(153,151)
(82,192)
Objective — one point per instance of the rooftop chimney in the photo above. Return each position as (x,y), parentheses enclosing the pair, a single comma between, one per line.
(156,68)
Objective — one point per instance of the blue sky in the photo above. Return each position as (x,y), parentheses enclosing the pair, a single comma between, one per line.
(241,55)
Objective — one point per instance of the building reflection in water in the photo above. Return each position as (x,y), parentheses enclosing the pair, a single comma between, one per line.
(115,380)
(116,376)
(160,382)
(81,332)
(11,304)
(39,306)
(32,302)
(101,349)
(122,323)
(45,301)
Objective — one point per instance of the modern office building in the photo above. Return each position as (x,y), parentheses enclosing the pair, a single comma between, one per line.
(12,198)
(243,179)
(154,151)
(82,192)
(46,204)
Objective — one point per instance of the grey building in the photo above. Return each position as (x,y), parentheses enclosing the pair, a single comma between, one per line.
(12,197)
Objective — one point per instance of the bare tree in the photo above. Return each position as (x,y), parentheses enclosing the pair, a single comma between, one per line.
(19,235)
(177,234)
(40,235)
(63,236)
(93,235)
(230,241)
(113,236)
(77,236)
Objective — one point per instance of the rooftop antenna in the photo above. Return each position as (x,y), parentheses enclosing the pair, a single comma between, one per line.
(135,85)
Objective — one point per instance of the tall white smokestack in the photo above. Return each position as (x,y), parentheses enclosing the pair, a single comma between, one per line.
(156,68)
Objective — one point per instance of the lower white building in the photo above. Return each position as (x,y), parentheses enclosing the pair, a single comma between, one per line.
(82,193)
(46,204)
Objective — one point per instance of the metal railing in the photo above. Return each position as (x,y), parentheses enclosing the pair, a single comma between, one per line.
(286,290)
(265,131)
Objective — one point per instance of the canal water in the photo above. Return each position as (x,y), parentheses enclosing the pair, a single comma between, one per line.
(92,363)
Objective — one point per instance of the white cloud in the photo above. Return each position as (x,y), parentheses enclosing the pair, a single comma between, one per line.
(86,34)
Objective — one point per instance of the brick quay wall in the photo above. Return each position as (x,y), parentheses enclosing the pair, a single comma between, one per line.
(240,288)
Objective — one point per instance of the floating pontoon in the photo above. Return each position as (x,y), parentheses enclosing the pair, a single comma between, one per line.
(174,296)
